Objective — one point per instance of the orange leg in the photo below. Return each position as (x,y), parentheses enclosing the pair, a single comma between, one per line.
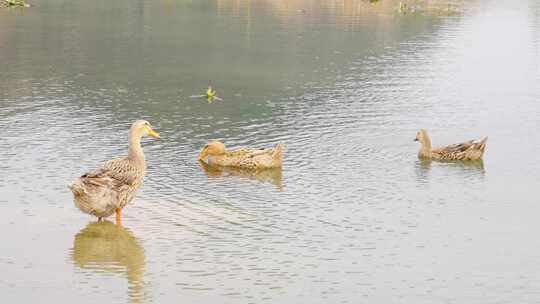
(118,215)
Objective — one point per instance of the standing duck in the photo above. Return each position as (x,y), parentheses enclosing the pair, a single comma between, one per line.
(113,185)
(242,158)
(469,150)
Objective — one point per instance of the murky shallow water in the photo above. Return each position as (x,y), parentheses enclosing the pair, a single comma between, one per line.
(353,216)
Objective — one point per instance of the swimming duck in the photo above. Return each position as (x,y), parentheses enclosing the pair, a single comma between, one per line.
(469,150)
(113,185)
(242,158)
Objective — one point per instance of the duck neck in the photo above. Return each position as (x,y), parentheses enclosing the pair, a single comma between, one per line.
(425,149)
(135,151)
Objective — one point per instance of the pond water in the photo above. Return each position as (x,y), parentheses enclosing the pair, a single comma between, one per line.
(352,217)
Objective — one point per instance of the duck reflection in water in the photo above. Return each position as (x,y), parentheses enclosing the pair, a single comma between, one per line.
(271,175)
(423,166)
(475,165)
(108,248)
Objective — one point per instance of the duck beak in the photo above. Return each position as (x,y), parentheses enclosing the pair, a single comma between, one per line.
(203,154)
(154,134)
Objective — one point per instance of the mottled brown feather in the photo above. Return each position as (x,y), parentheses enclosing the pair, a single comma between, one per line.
(469,150)
(245,157)
(114,184)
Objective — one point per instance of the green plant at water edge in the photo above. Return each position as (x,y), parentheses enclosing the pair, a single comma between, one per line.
(403,8)
(19,3)
(429,7)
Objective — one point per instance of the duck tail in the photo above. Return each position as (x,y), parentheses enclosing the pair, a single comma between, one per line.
(277,155)
(77,188)
(482,144)
(278,150)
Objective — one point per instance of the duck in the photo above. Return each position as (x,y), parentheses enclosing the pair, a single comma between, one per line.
(469,150)
(110,187)
(247,158)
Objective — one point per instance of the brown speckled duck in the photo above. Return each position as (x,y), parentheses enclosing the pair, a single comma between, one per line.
(113,185)
(242,158)
(469,150)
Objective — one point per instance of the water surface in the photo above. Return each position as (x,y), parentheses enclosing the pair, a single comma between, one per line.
(353,216)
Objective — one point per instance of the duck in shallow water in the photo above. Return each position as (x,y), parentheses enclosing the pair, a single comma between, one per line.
(109,188)
(469,150)
(242,158)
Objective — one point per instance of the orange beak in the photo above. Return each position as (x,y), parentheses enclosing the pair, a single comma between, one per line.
(203,154)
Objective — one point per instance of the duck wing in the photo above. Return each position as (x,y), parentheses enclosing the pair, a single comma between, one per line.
(273,152)
(469,150)
(456,148)
(114,173)
(264,158)
(244,152)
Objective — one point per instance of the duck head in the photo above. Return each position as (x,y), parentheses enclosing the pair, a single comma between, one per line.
(213,148)
(142,128)
(421,136)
